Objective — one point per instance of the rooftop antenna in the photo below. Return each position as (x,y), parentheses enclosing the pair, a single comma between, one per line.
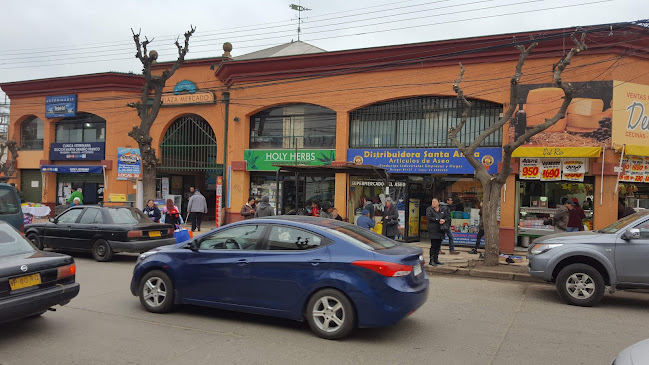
(299,9)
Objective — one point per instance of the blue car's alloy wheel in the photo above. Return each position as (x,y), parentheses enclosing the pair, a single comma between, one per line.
(330,314)
(156,292)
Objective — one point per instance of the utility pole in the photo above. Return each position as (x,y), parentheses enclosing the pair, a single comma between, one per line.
(299,9)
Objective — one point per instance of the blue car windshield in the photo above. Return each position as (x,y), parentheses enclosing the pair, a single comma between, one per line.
(623,223)
(8,202)
(12,243)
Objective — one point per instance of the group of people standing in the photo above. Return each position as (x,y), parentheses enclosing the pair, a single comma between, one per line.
(196,208)
(568,217)
(253,210)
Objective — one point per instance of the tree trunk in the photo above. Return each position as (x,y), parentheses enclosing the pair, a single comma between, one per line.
(490,203)
(149,170)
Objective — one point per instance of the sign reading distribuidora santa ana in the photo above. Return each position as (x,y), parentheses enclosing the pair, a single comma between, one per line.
(265,160)
(425,160)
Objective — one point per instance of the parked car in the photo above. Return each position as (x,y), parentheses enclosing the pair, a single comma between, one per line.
(10,210)
(100,230)
(332,274)
(582,264)
(637,354)
(32,281)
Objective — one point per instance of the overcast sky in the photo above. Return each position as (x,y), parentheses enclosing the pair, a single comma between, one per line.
(44,38)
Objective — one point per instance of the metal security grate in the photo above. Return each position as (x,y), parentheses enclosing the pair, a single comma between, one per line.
(189,145)
(420,122)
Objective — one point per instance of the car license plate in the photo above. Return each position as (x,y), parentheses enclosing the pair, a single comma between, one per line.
(24,281)
(154,234)
(416,270)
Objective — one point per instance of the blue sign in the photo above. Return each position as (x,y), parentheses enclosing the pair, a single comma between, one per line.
(129,163)
(185,86)
(425,160)
(60,106)
(67,169)
(77,151)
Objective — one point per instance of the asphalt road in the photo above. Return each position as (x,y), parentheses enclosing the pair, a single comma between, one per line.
(465,321)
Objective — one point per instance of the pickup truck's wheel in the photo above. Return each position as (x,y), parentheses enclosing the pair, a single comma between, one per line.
(33,237)
(580,284)
(101,250)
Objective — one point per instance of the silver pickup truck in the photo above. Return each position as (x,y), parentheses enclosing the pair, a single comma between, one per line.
(583,264)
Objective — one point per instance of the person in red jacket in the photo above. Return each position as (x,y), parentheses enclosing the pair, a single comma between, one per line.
(575,217)
(315,209)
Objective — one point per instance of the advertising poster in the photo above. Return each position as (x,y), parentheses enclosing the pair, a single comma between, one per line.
(218,210)
(574,169)
(530,168)
(129,165)
(413,221)
(551,169)
(425,160)
(60,106)
(630,113)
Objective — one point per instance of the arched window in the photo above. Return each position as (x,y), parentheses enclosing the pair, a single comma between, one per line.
(189,145)
(85,127)
(421,122)
(293,126)
(31,134)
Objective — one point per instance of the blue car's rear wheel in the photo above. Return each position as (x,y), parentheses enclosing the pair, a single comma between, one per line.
(330,314)
(156,292)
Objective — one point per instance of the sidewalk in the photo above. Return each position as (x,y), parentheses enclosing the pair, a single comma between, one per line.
(463,264)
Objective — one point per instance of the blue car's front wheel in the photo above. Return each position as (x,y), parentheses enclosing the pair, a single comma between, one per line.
(330,314)
(156,292)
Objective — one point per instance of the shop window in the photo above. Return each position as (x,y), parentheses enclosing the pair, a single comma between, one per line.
(82,128)
(421,122)
(31,134)
(293,126)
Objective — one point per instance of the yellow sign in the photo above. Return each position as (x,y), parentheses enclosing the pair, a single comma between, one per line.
(557,152)
(199,97)
(630,114)
(633,150)
(117,198)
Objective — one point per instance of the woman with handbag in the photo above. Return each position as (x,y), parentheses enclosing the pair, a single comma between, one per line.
(390,219)
(437,221)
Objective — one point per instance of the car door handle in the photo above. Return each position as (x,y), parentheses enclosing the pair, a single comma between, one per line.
(242,262)
(315,262)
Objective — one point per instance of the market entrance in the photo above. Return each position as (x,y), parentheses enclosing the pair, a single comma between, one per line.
(188,150)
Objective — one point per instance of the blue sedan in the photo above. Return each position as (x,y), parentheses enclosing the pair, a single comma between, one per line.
(335,275)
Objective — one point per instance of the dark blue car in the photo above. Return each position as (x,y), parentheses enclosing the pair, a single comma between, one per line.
(335,275)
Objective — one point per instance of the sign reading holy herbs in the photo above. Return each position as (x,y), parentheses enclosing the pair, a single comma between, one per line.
(263,160)
(552,169)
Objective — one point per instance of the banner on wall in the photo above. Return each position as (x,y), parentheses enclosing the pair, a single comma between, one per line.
(530,168)
(218,210)
(631,106)
(129,163)
(634,169)
(551,169)
(574,169)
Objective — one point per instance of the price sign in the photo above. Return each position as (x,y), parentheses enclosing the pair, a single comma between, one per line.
(550,170)
(646,169)
(626,171)
(637,169)
(574,169)
(530,168)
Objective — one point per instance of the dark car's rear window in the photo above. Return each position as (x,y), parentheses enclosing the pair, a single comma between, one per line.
(9,202)
(127,216)
(12,242)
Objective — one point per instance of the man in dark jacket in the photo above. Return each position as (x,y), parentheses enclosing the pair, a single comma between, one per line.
(369,206)
(248,210)
(197,206)
(437,217)
(390,219)
(448,206)
(264,209)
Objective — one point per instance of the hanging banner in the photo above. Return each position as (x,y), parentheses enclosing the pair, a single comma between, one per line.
(646,169)
(530,168)
(219,201)
(637,169)
(550,170)
(68,169)
(625,175)
(129,165)
(574,169)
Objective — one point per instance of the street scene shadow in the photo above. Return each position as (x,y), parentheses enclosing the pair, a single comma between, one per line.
(621,299)
(118,257)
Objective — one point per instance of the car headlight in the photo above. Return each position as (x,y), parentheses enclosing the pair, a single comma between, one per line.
(544,247)
(144,255)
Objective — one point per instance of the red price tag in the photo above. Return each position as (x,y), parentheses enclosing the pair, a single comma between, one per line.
(530,171)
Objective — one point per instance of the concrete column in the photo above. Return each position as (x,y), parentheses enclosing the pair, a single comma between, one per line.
(605,208)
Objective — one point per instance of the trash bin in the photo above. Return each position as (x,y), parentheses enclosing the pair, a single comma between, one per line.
(525,241)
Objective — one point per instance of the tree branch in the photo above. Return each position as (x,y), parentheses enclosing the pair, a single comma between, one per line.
(182,52)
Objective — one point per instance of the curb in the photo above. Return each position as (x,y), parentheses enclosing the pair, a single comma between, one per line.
(480,273)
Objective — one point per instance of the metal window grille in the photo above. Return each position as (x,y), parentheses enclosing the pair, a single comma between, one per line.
(293,126)
(421,122)
(189,145)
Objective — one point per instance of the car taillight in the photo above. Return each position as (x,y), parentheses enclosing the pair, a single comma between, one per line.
(134,234)
(66,271)
(384,268)
(22,229)
(171,231)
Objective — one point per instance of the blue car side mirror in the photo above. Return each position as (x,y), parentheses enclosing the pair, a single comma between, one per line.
(194,245)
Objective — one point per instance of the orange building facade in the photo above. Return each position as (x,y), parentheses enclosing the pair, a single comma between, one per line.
(386,106)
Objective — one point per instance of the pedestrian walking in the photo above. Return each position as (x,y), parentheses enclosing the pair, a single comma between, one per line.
(172,215)
(264,209)
(437,217)
(561,216)
(365,221)
(248,210)
(152,211)
(196,207)
(575,217)
(474,251)
(448,206)
(390,219)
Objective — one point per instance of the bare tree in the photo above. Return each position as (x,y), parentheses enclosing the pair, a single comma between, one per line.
(8,168)
(149,105)
(492,184)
